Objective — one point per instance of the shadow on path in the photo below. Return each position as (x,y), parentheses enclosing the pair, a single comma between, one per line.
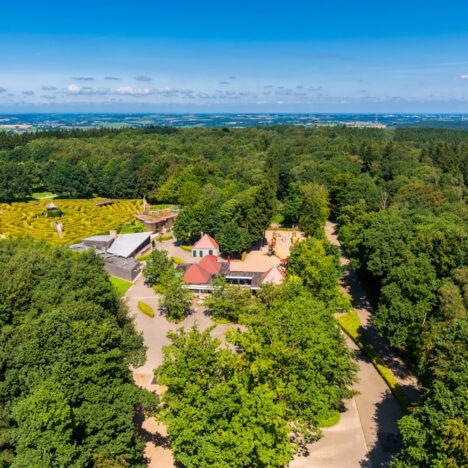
(361,303)
(157,439)
(389,440)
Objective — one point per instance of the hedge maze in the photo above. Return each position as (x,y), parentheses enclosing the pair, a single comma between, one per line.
(80,218)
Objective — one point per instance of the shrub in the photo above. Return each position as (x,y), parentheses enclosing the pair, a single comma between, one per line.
(165,238)
(244,256)
(187,248)
(177,260)
(144,257)
(331,420)
(146,309)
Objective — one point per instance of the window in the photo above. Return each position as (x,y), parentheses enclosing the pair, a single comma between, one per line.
(210,252)
(194,253)
(201,253)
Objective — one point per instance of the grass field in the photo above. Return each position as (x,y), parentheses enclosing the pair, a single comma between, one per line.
(80,218)
(120,285)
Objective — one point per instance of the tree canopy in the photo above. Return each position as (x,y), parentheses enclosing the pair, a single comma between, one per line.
(67,395)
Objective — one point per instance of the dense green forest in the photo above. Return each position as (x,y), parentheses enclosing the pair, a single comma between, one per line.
(398,196)
(67,396)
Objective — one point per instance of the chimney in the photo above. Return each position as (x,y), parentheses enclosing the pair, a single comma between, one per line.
(113,234)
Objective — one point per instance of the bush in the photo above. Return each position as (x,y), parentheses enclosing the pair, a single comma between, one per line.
(146,309)
(244,256)
(187,248)
(165,238)
(351,324)
(144,257)
(331,420)
(177,260)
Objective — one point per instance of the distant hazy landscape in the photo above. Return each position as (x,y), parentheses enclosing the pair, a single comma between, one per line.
(32,122)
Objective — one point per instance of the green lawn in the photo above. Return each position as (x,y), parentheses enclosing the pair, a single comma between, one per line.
(120,285)
(43,195)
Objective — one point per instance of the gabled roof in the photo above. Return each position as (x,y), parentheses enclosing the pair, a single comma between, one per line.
(273,276)
(197,275)
(210,263)
(126,244)
(52,206)
(206,242)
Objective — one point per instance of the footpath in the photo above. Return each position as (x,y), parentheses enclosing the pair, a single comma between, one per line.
(352,286)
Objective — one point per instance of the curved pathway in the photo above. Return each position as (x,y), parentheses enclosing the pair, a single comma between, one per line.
(363,307)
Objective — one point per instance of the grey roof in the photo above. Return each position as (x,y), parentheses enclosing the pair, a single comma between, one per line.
(126,244)
(125,263)
(102,238)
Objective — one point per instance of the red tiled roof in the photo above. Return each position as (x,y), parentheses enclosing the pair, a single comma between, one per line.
(206,242)
(210,264)
(197,275)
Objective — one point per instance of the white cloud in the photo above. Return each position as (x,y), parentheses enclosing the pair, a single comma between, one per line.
(129,91)
(73,89)
(464,76)
(83,78)
(2,90)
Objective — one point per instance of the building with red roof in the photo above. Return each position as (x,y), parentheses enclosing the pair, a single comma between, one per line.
(198,276)
(205,246)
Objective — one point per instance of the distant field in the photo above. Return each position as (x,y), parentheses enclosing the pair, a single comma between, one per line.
(81,218)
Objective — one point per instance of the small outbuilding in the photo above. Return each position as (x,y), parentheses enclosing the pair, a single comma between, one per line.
(205,246)
(121,245)
(52,210)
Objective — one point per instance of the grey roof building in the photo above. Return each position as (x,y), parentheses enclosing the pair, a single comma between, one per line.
(120,245)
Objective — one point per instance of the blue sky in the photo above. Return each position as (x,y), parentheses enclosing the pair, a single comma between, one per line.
(247,56)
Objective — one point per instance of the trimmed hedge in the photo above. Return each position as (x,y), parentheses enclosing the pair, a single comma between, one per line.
(165,238)
(146,309)
(187,248)
(351,325)
(332,419)
(144,257)
(177,260)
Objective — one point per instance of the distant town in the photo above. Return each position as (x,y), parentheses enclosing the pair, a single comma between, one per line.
(17,123)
